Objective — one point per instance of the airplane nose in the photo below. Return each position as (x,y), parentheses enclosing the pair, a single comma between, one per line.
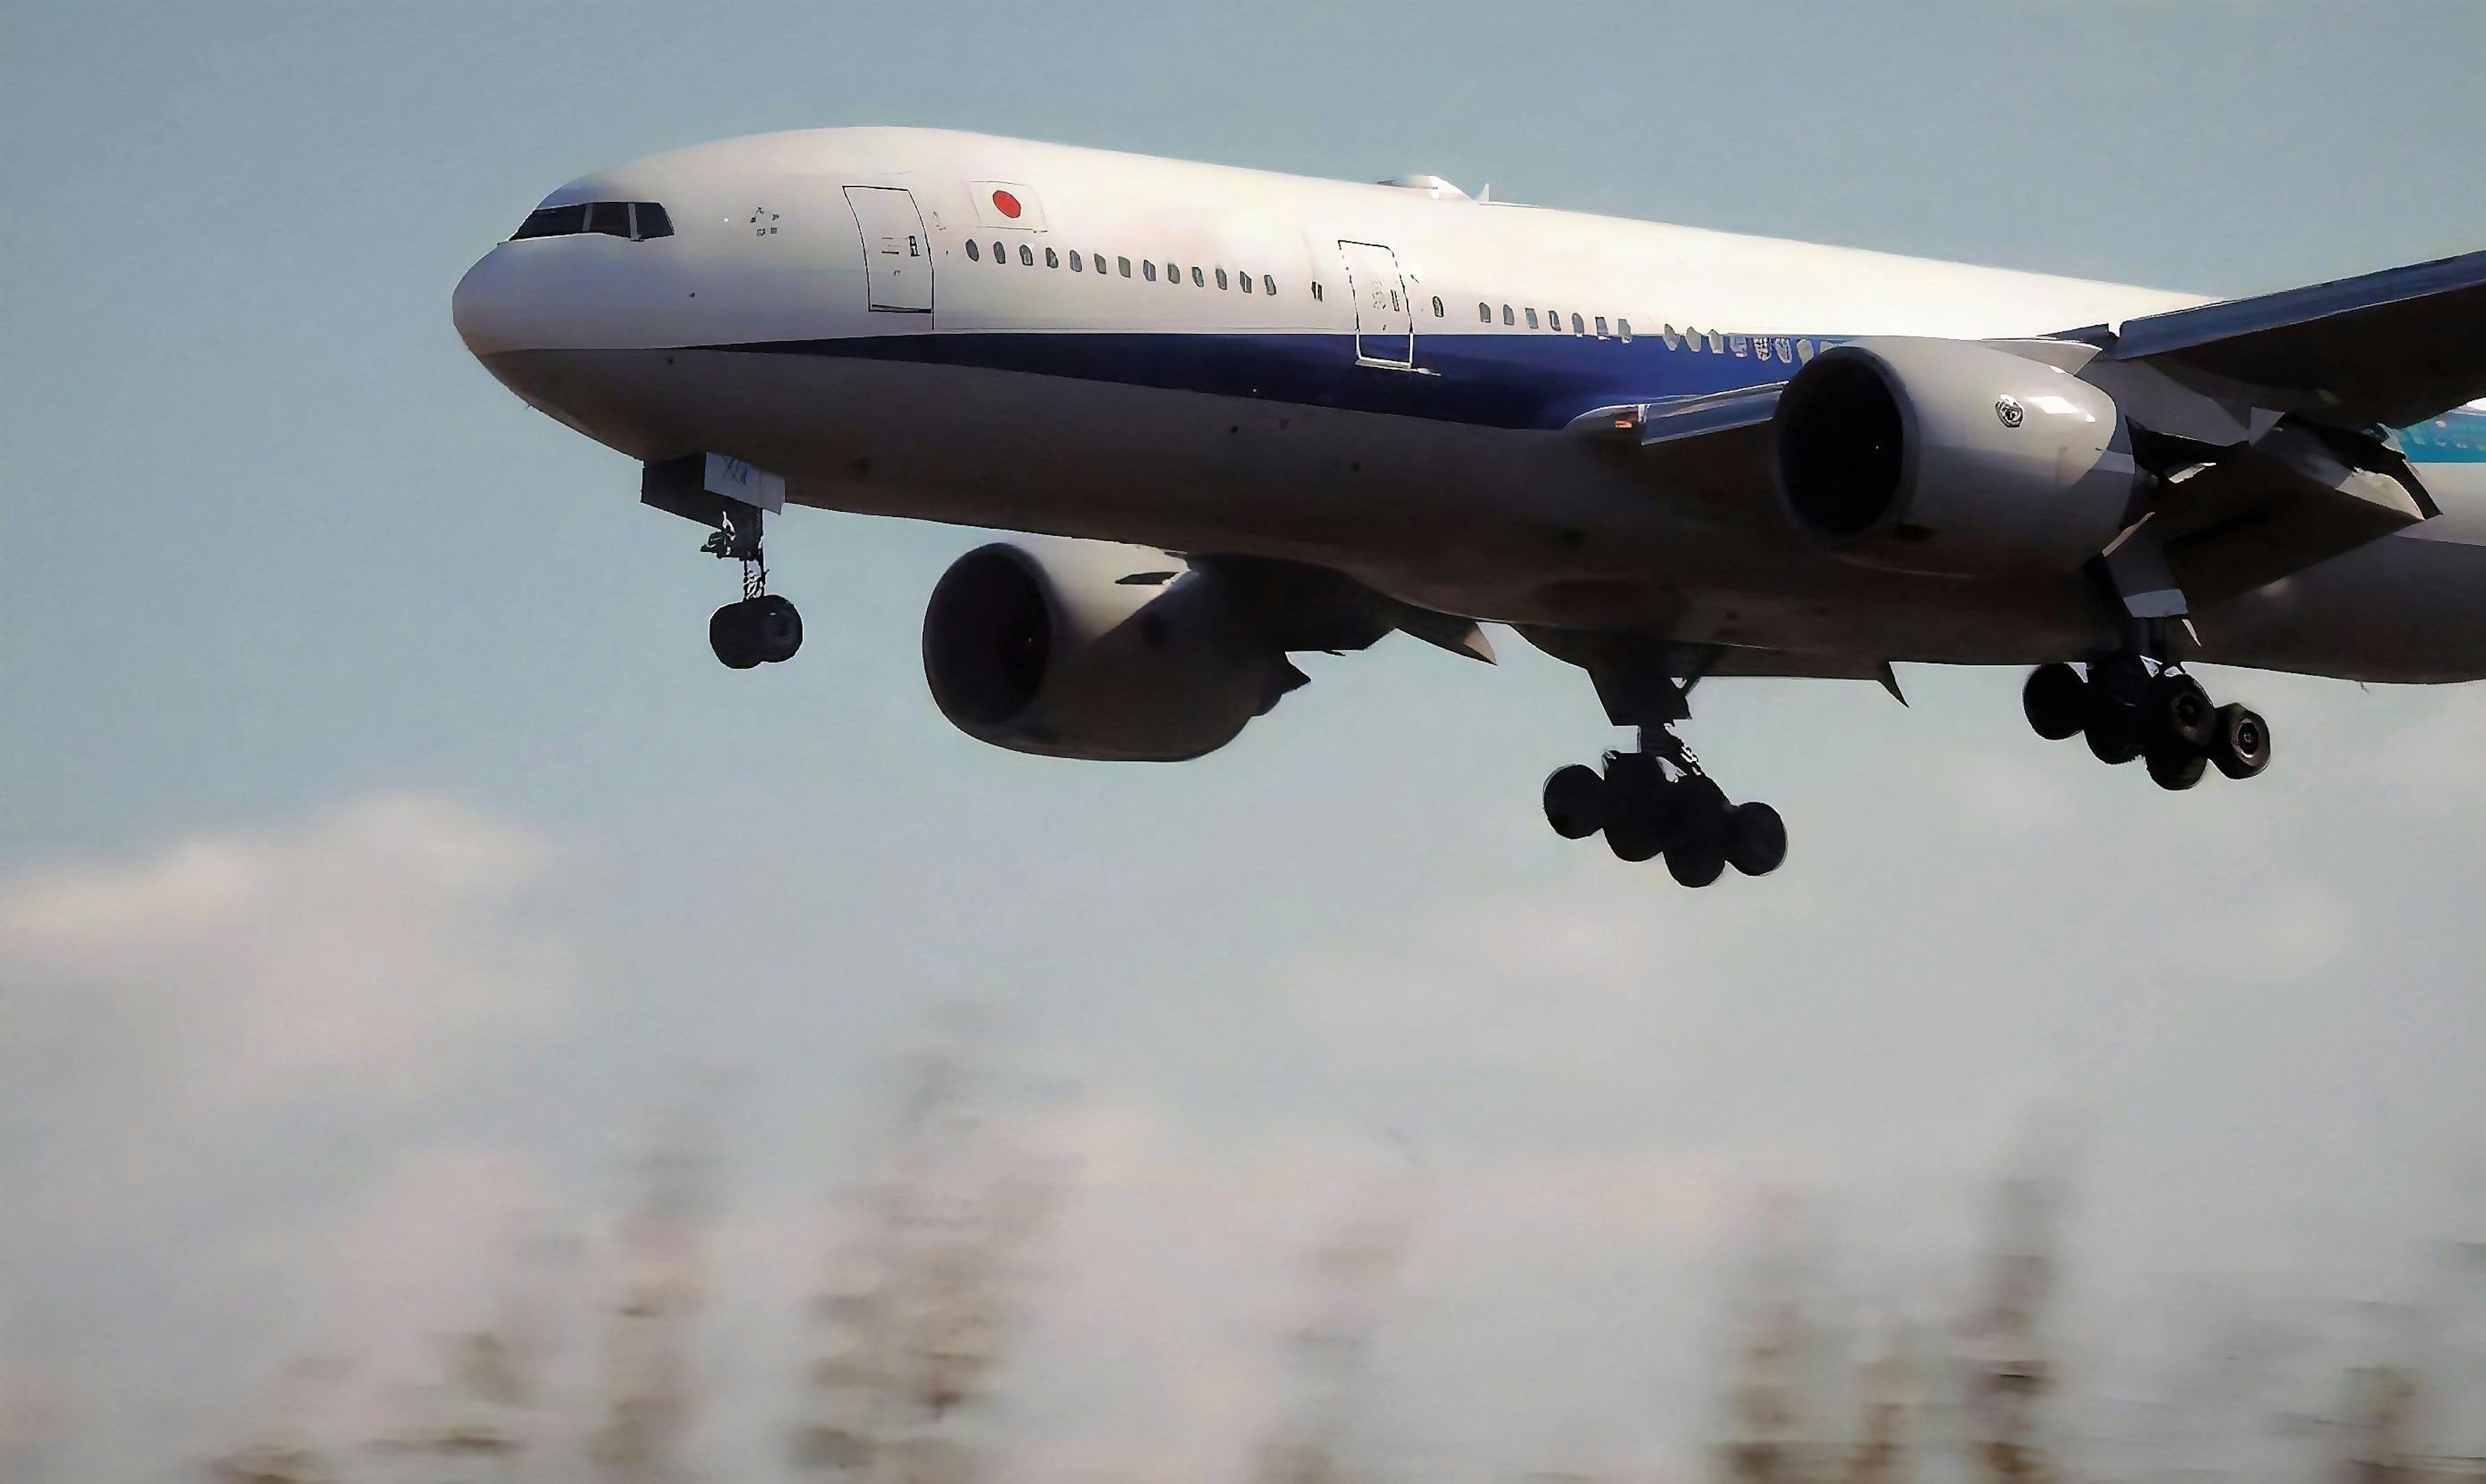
(486,306)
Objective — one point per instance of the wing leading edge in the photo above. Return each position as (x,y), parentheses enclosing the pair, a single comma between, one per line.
(2388,348)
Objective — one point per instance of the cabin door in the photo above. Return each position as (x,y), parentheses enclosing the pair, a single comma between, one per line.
(1385,321)
(897,251)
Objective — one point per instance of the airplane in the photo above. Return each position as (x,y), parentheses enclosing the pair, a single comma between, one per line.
(1233,416)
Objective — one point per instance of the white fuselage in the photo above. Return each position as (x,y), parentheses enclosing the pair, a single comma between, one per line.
(994,331)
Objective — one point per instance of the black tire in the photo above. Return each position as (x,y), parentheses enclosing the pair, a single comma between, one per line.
(2055,700)
(2175,767)
(2239,742)
(1696,850)
(1575,801)
(1637,806)
(1755,839)
(2177,712)
(2113,734)
(733,633)
(778,628)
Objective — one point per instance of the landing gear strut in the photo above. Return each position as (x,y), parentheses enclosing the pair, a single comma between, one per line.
(2125,708)
(764,628)
(732,498)
(1655,800)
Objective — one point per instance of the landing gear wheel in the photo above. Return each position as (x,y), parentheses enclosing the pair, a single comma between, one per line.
(2239,742)
(2175,711)
(1755,839)
(1576,803)
(2175,767)
(763,630)
(2112,737)
(2113,726)
(778,625)
(2055,700)
(733,633)
(1697,855)
(1637,806)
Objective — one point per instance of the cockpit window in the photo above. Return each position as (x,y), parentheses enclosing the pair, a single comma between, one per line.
(610,218)
(552,222)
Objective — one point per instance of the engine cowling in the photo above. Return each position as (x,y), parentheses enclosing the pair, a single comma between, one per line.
(1950,458)
(1084,649)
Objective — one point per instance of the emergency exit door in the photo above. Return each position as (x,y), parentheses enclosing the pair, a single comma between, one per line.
(1385,321)
(896,252)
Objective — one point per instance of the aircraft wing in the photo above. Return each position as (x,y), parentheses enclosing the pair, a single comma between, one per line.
(2388,348)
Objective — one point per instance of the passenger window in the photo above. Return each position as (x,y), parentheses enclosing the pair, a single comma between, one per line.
(652,222)
(1395,305)
(1762,348)
(1437,306)
(1601,326)
(1125,263)
(1506,314)
(1000,254)
(1074,259)
(974,254)
(1623,328)
(1717,342)
(1787,353)
(1577,328)
(1198,282)
(1554,320)
(1221,278)
(1026,256)
(1052,259)
(1804,350)
(1174,273)
(1269,286)
(1485,313)
(1673,340)
(1532,320)
(1316,291)
(1243,281)
(1738,343)
(1147,269)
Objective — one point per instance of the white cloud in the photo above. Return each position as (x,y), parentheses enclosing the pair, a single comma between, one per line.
(369,945)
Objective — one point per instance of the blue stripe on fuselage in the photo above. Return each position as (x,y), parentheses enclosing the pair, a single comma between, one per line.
(1515,381)
(1508,380)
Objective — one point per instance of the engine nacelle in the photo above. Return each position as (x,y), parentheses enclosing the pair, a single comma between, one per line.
(1950,458)
(1084,649)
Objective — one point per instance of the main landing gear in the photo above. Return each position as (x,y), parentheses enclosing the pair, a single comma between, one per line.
(764,628)
(2125,709)
(1655,800)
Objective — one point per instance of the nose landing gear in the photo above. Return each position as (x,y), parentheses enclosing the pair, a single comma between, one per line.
(764,628)
(1655,801)
(2125,711)
(732,498)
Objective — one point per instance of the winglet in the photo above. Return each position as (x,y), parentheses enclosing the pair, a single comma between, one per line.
(1889,679)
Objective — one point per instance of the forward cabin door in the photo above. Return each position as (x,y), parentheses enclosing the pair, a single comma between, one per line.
(1385,321)
(897,251)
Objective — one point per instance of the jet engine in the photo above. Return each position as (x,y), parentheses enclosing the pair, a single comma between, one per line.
(1950,458)
(1083,649)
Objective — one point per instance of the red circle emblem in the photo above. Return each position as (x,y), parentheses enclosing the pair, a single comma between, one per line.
(1006,204)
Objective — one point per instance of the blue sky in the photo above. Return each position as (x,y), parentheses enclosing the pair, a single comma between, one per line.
(377,837)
